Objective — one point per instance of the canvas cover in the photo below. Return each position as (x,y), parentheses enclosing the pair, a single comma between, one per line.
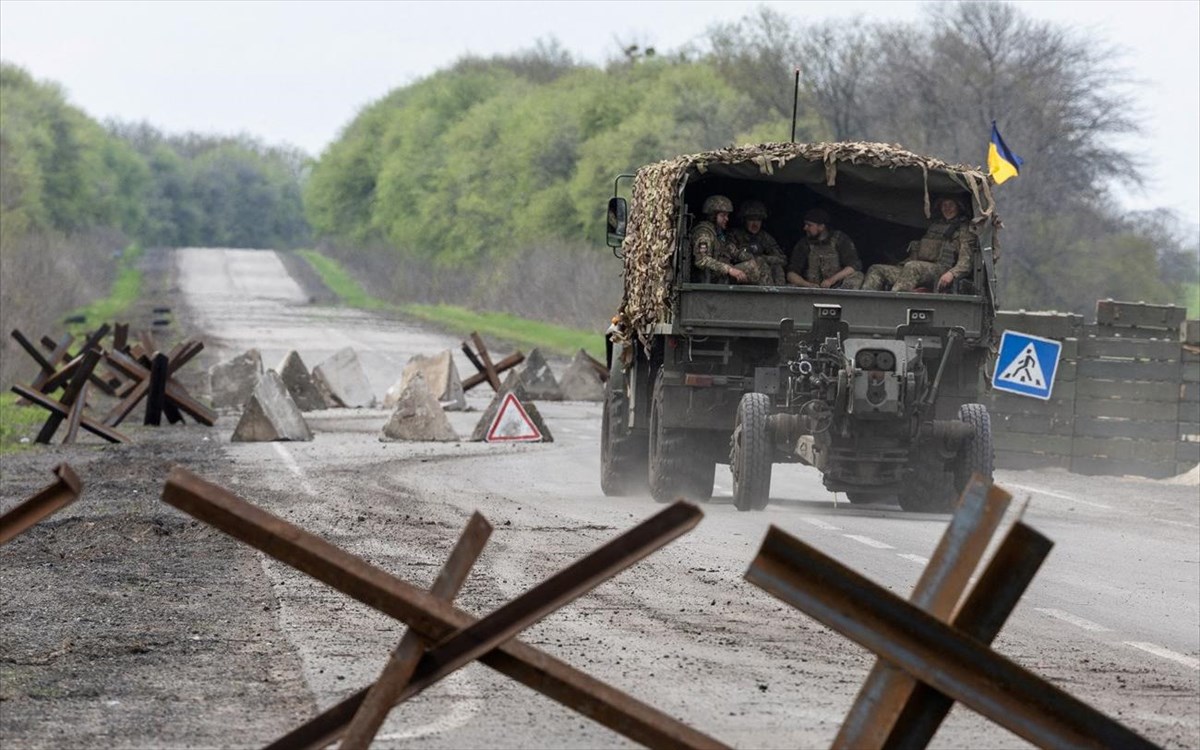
(877,179)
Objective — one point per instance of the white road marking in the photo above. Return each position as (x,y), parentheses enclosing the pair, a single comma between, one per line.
(1185,524)
(1078,622)
(1166,653)
(915,558)
(1058,495)
(294,467)
(821,524)
(464,709)
(868,541)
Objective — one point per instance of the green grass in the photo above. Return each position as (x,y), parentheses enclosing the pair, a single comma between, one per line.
(126,289)
(545,336)
(18,422)
(522,331)
(341,283)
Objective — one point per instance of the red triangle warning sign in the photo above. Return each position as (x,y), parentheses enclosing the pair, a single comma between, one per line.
(512,424)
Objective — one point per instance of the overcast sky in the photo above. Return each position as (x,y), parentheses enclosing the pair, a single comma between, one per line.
(297,72)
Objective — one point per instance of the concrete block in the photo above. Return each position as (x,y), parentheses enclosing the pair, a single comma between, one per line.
(440,375)
(580,381)
(345,381)
(538,379)
(299,383)
(418,416)
(231,382)
(271,414)
(512,384)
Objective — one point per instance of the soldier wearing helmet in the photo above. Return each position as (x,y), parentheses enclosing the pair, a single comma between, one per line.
(945,253)
(767,258)
(713,249)
(824,258)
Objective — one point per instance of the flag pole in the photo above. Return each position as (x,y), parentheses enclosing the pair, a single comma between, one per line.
(795,103)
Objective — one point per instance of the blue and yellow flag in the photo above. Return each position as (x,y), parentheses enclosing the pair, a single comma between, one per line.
(1002,162)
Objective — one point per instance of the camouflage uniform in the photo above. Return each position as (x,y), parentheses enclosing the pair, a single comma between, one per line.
(821,258)
(714,251)
(766,257)
(928,258)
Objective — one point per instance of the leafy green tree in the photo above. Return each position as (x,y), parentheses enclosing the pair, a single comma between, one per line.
(61,169)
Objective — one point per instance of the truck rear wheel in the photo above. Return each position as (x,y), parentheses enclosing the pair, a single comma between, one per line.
(678,468)
(938,491)
(622,456)
(928,491)
(750,459)
(862,498)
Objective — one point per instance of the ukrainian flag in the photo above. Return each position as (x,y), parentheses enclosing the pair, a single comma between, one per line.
(1002,162)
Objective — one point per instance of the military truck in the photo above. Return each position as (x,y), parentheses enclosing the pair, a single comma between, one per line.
(878,390)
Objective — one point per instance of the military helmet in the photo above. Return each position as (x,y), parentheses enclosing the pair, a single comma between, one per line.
(715,204)
(754,210)
(816,216)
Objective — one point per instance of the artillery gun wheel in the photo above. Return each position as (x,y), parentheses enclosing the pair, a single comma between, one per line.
(622,457)
(978,454)
(678,468)
(750,456)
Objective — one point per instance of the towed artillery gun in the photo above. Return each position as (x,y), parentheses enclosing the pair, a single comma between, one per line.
(877,390)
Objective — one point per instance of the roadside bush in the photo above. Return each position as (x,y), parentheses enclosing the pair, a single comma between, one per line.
(47,274)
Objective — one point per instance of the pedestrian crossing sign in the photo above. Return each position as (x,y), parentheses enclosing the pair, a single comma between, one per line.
(1026,365)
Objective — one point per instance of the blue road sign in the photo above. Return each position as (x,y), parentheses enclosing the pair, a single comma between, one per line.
(1026,365)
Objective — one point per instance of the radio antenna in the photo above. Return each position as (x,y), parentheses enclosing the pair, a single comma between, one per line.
(795,103)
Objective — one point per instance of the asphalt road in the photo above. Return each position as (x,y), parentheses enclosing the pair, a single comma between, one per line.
(1113,617)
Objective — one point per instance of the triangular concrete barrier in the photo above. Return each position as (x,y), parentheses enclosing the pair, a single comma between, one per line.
(538,378)
(441,376)
(271,414)
(418,416)
(513,424)
(580,381)
(343,377)
(299,383)
(231,382)
(512,385)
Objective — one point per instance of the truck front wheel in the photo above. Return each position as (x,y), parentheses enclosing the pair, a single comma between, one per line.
(622,455)
(678,467)
(750,459)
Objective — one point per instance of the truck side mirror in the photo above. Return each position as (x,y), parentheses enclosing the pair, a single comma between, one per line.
(618,217)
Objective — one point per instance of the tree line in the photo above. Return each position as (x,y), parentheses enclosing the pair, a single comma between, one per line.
(472,164)
(65,172)
(449,185)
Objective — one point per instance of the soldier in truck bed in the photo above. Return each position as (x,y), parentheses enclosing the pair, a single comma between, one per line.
(824,258)
(944,254)
(768,259)
(713,249)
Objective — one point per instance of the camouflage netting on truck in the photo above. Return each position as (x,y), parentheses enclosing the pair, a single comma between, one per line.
(650,238)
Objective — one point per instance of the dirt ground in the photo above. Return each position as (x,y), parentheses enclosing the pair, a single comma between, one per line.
(100,633)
